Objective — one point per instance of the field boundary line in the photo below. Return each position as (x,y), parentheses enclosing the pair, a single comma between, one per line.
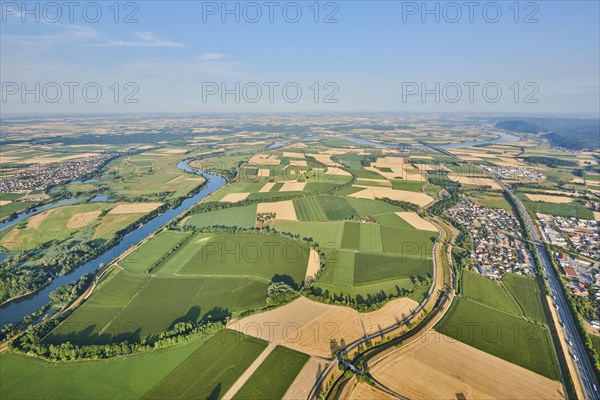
(124,307)
(514,299)
(502,311)
(183,276)
(241,381)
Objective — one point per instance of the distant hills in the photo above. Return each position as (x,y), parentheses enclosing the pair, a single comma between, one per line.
(571,133)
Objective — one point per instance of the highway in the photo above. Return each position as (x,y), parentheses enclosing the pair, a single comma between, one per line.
(576,347)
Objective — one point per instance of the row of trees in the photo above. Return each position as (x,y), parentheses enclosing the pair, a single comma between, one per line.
(66,294)
(31,342)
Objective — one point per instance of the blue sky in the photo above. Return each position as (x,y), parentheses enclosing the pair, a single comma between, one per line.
(378,56)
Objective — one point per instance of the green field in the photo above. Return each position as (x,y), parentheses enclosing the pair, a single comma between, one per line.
(323,208)
(478,288)
(500,334)
(351,237)
(131,306)
(408,242)
(54,225)
(392,219)
(150,252)
(490,199)
(561,210)
(119,378)
(244,217)
(366,258)
(254,255)
(370,268)
(370,238)
(13,207)
(71,223)
(527,293)
(209,277)
(404,185)
(327,234)
(274,376)
(211,370)
(366,207)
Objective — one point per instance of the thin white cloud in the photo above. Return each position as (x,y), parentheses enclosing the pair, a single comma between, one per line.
(69,34)
(189,69)
(144,39)
(211,56)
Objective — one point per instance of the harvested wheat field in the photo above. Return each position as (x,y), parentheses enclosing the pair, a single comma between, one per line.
(421,157)
(416,221)
(48,160)
(438,367)
(234,197)
(390,314)
(264,159)
(326,159)
(314,264)
(417,198)
(398,172)
(335,171)
(298,163)
(549,199)
(364,391)
(318,329)
(264,173)
(4,202)
(267,188)
(293,186)
(36,197)
(306,379)
(473,180)
(469,158)
(135,208)
(35,221)
(80,220)
(293,155)
(305,325)
(282,209)
(597,215)
(383,182)
(173,151)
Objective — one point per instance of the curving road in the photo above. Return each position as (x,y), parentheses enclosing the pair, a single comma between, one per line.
(367,338)
(576,347)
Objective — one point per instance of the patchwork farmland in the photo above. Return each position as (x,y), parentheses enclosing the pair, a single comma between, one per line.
(295,253)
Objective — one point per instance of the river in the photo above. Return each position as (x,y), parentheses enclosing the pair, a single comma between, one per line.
(502,138)
(15,310)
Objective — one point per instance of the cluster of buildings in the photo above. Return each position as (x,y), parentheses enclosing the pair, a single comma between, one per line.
(496,246)
(582,235)
(580,273)
(514,173)
(42,176)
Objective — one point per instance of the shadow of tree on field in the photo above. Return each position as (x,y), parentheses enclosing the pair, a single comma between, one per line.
(216,314)
(215,393)
(130,332)
(285,278)
(333,346)
(192,315)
